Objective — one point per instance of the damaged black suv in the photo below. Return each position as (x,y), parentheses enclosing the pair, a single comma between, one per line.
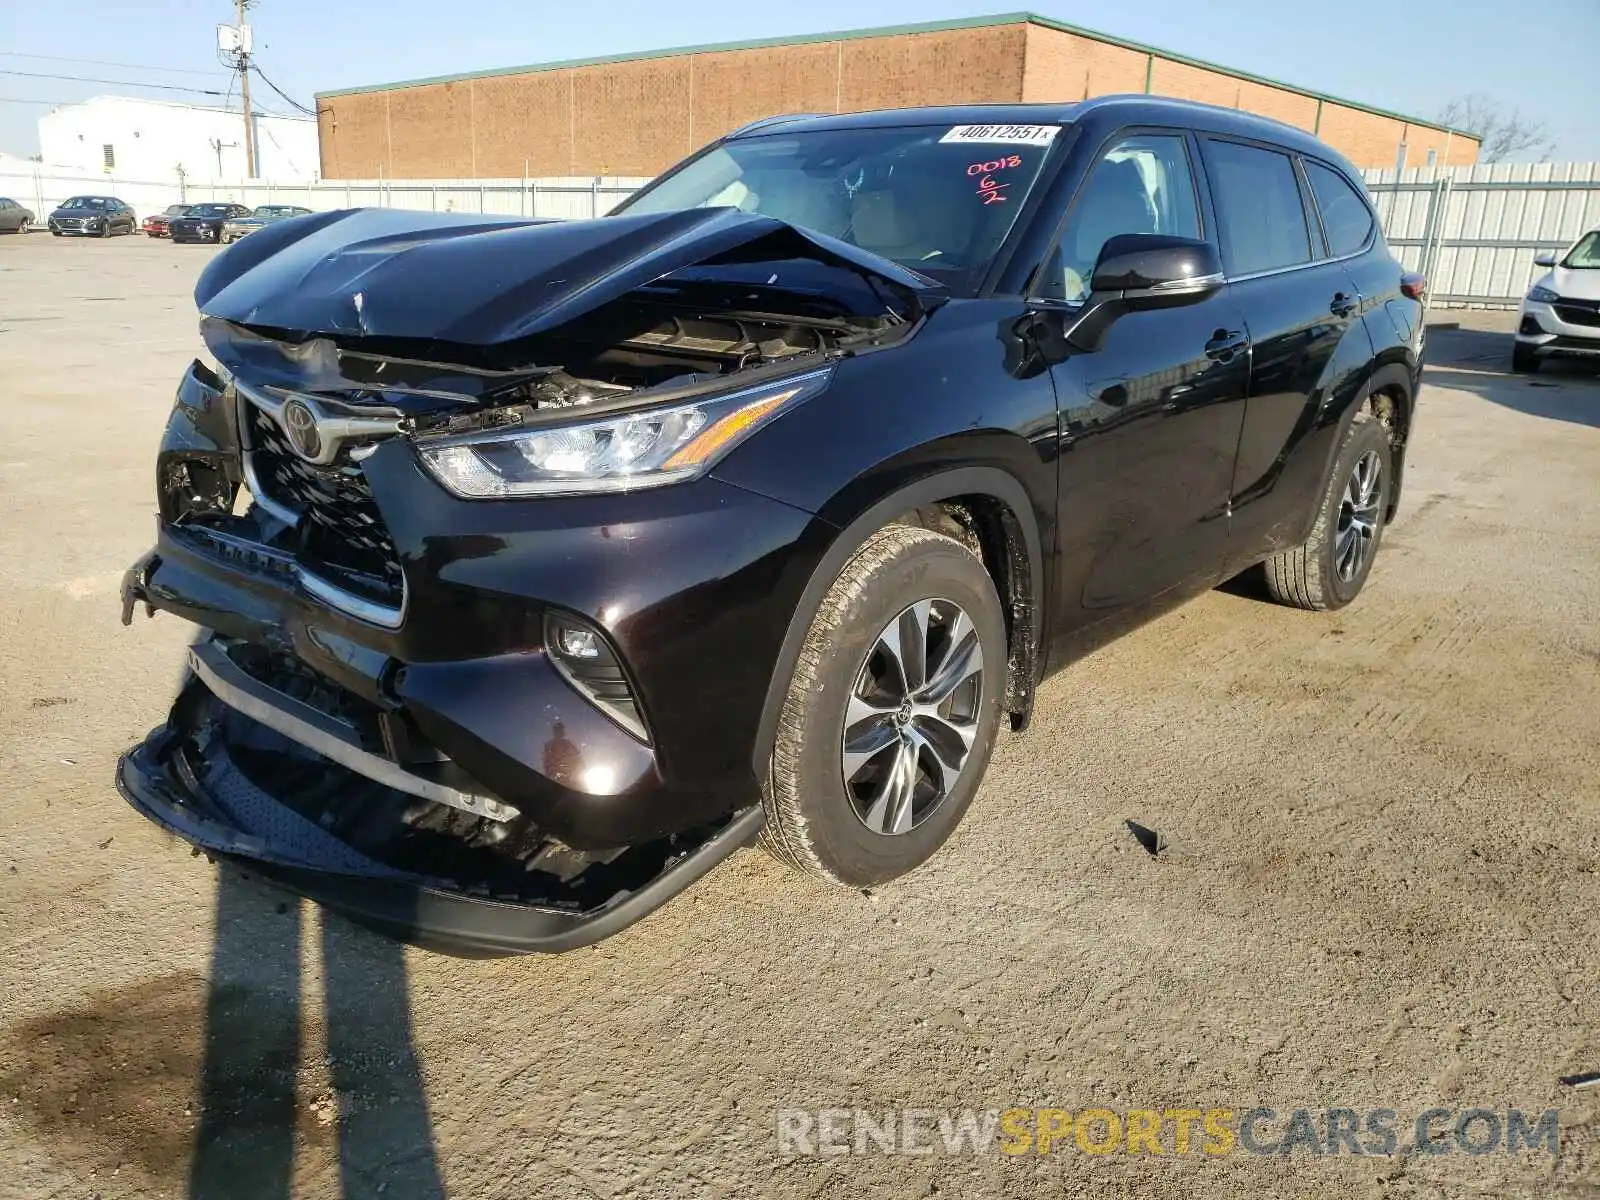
(541,565)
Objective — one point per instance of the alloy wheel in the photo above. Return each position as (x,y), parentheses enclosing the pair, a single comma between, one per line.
(1359,514)
(912,716)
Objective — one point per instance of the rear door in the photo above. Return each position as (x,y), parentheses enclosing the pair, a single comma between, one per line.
(1303,315)
(1150,421)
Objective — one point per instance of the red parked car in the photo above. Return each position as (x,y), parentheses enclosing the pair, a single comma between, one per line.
(159,225)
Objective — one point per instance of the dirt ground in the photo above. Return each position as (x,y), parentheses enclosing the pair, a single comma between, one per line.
(1381,890)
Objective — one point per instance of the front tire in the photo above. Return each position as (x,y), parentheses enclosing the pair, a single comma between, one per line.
(1329,569)
(890,717)
(1523,360)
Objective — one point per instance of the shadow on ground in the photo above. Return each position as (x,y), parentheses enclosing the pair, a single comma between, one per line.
(244,1147)
(1479,361)
(110,1080)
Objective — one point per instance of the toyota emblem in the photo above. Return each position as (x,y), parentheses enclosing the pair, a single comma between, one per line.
(300,423)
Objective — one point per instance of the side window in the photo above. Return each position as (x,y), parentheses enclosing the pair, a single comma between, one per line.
(1143,184)
(1258,207)
(1346,219)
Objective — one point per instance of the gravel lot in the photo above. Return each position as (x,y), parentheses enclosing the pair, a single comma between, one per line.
(1381,888)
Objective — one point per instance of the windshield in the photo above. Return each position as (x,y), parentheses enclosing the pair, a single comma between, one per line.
(936,198)
(1585,256)
(209,210)
(177,210)
(274,210)
(85,202)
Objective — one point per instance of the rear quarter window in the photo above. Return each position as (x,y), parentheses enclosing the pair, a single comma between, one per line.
(1346,219)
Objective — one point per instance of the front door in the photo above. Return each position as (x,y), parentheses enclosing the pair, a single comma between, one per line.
(1149,422)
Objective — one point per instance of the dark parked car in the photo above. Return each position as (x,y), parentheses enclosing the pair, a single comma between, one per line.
(583,553)
(13,217)
(92,216)
(204,222)
(237,227)
(156,225)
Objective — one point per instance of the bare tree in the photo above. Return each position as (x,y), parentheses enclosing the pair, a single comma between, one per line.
(1505,132)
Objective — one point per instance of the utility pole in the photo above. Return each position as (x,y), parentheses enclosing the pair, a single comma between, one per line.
(244,92)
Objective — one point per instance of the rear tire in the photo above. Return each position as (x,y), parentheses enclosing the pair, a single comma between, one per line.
(871,772)
(1329,569)
(1523,360)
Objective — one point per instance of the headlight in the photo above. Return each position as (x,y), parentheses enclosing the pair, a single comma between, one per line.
(1543,295)
(639,449)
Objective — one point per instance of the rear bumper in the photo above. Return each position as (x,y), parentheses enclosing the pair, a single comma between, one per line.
(221,813)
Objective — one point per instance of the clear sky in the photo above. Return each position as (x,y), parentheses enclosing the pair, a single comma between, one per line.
(1407,55)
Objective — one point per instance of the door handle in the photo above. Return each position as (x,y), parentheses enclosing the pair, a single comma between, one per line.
(1225,343)
(1343,305)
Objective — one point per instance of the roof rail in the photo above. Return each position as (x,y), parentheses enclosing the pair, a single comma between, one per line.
(765,121)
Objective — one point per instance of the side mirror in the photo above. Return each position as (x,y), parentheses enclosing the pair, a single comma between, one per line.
(1545,258)
(1153,270)
(1140,271)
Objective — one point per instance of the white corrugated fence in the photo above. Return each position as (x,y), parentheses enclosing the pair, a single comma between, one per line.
(1473,231)
(41,189)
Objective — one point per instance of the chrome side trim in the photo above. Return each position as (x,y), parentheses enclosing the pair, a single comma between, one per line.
(1306,266)
(1194,283)
(282,511)
(325,735)
(347,602)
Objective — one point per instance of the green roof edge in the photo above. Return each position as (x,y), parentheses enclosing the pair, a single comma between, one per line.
(979,22)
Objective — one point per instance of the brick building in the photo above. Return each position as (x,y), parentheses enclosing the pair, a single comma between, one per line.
(634,114)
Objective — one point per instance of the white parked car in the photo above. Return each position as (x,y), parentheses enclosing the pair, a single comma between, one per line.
(1560,316)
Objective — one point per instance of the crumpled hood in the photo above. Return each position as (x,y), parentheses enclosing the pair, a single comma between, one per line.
(482,280)
(1579,284)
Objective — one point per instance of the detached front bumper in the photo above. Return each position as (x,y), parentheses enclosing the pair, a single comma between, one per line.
(185,778)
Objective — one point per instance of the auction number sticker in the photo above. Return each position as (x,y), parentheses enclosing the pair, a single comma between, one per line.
(1025,135)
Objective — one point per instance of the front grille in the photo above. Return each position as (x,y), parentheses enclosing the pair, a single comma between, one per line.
(343,538)
(1583,312)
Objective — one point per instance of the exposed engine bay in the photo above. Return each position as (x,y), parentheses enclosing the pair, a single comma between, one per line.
(517,319)
(666,341)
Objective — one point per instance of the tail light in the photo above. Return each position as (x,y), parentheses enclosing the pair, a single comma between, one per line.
(1413,285)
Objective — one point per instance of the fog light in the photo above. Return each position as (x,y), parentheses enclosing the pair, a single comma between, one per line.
(587,661)
(577,643)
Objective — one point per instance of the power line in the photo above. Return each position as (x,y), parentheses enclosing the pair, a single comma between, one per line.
(100,62)
(281,93)
(162,87)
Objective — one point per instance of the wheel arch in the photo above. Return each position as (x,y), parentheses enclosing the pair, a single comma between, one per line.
(1389,394)
(990,507)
